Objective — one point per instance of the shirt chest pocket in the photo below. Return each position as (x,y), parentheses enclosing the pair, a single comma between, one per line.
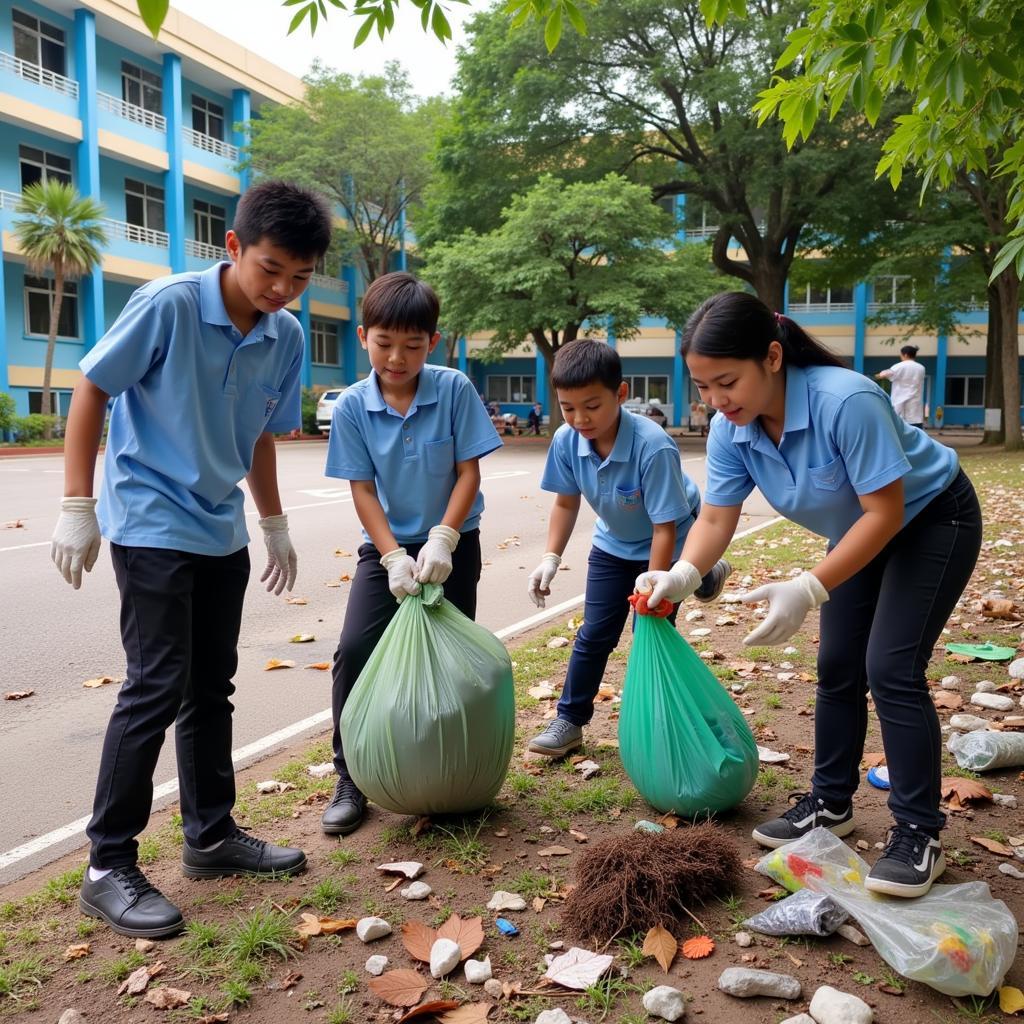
(831,476)
(260,405)
(629,498)
(439,456)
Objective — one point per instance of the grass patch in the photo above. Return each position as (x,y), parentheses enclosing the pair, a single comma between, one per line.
(327,896)
(113,972)
(20,978)
(342,858)
(261,935)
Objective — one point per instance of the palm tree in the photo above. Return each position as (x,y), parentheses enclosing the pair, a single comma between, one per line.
(60,231)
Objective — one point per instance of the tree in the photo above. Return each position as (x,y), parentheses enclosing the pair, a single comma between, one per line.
(59,231)
(365,142)
(962,65)
(569,258)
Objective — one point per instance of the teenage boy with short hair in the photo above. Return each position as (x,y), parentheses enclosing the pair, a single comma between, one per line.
(409,439)
(204,369)
(629,471)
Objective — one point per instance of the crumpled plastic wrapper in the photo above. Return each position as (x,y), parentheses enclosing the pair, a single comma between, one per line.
(803,913)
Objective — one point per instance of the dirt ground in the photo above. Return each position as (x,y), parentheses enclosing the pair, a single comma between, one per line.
(240,959)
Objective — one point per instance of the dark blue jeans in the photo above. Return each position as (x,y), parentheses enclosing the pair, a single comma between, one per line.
(610,582)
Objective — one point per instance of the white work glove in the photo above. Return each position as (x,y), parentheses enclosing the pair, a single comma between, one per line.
(788,605)
(434,562)
(676,585)
(539,586)
(282,562)
(401,573)
(76,539)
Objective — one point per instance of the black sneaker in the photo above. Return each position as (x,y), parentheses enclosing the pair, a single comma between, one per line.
(910,863)
(714,583)
(807,813)
(344,814)
(127,900)
(241,854)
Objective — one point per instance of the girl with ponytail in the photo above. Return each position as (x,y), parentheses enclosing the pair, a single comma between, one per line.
(826,449)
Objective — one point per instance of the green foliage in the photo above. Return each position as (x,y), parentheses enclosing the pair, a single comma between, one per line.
(34,426)
(309,403)
(20,977)
(7,411)
(260,936)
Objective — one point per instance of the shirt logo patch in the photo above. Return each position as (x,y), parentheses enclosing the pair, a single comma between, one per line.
(628,498)
(271,406)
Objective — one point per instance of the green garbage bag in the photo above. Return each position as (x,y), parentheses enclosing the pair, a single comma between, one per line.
(682,740)
(430,724)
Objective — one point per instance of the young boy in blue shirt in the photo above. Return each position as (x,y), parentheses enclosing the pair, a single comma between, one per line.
(629,471)
(409,438)
(204,368)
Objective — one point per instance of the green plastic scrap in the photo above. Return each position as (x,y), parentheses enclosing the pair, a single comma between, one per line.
(986,652)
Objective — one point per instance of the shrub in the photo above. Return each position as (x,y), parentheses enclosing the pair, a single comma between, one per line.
(34,426)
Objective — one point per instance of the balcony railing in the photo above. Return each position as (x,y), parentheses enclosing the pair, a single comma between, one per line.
(9,200)
(39,75)
(130,112)
(699,234)
(333,284)
(209,144)
(205,251)
(821,307)
(881,307)
(133,233)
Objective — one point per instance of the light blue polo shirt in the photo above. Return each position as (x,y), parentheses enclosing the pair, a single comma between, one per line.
(640,483)
(411,458)
(191,398)
(841,439)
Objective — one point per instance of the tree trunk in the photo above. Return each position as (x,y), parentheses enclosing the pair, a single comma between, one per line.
(46,404)
(993,362)
(769,281)
(548,348)
(1008,286)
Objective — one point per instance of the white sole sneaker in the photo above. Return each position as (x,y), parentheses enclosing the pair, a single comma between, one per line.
(904,889)
(844,828)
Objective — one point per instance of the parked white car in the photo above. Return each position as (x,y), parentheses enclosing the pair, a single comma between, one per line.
(324,409)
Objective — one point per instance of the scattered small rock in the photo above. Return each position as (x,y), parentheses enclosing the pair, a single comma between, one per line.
(830,1006)
(744,982)
(695,616)
(273,786)
(703,631)
(800,1018)
(478,971)
(375,965)
(410,868)
(1017,669)
(743,939)
(968,723)
(71,1017)
(559,641)
(588,769)
(493,988)
(738,687)
(863,844)
(416,891)
(790,650)
(993,701)
(144,945)
(320,771)
(502,900)
(557,1016)
(851,934)
(1011,870)
(1005,800)
(370,928)
(665,1002)
(985,686)
(950,682)
(444,957)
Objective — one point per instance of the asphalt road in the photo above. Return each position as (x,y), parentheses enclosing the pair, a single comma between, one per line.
(55,638)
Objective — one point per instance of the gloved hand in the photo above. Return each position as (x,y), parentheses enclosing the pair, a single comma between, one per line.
(282,562)
(401,573)
(434,562)
(539,586)
(788,605)
(675,585)
(76,539)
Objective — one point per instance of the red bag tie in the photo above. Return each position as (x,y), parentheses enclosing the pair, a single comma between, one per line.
(639,603)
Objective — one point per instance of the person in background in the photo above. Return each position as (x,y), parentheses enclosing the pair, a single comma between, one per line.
(907,379)
(535,418)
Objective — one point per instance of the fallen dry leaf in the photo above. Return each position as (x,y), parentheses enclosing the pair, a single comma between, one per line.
(320,666)
(302,638)
(947,699)
(872,760)
(668,820)
(295,600)
(1011,1000)
(290,980)
(164,998)
(502,833)
(962,792)
(999,608)
(214,1018)
(341,553)
(432,1008)
(78,950)
(400,988)
(554,851)
(313,925)
(418,939)
(698,947)
(993,846)
(93,684)
(15,524)
(468,934)
(580,837)
(18,694)
(662,945)
(138,980)
(277,663)
(539,903)
(578,969)
(468,1013)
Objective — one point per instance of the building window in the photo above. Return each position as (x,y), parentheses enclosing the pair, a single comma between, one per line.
(826,297)
(60,402)
(141,88)
(39,43)
(144,205)
(38,303)
(38,165)
(514,388)
(211,222)
(894,291)
(207,118)
(324,342)
(962,391)
(646,389)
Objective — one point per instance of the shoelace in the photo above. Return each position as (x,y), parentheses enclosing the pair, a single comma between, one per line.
(904,844)
(241,836)
(134,881)
(805,804)
(560,728)
(346,789)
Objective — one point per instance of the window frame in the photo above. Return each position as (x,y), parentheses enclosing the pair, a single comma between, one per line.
(319,339)
(207,217)
(56,36)
(139,189)
(630,378)
(34,285)
(46,172)
(136,74)
(205,109)
(964,381)
(509,391)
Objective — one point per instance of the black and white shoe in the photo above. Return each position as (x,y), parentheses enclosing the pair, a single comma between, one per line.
(910,863)
(712,585)
(807,813)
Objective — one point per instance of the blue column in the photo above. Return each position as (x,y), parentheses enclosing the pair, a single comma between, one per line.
(349,340)
(678,382)
(174,179)
(785,297)
(541,373)
(610,333)
(941,365)
(307,351)
(403,263)
(4,378)
(463,355)
(860,313)
(88,165)
(680,214)
(241,113)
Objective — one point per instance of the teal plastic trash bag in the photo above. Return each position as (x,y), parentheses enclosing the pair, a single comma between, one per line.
(430,723)
(682,740)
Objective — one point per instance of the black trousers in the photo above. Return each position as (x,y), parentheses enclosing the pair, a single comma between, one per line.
(180,617)
(878,630)
(371,606)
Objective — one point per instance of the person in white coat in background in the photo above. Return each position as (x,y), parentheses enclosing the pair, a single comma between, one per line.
(907,379)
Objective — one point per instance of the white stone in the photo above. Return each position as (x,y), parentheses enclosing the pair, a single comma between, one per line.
(71,1017)
(144,945)
(786,665)
(745,982)
(1005,800)
(768,756)
(738,687)
(993,701)
(968,723)
(502,900)
(700,632)
(370,928)
(375,965)
(950,682)
(559,641)
(665,1002)
(416,891)
(851,934)
(790,650)
(731,599)
(1016,669)
(320,771)
(800,1018)
(830,1006)
(444,957)
(557,1016)
(410,868)
(588,769)
(744,939)
(695,616)
(985,686)
(493,988)
(1012,870)
(478,971)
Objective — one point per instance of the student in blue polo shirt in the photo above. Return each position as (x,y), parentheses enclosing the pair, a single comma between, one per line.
(204,368)
(409,438)
(825,447)
(629,471)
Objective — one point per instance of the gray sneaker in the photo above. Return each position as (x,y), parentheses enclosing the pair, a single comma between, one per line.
(557,739)
(714,583)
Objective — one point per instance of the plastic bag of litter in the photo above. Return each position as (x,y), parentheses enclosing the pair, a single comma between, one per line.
(956,939)
(682,739)
(430,723)
(981,751)
(804,913)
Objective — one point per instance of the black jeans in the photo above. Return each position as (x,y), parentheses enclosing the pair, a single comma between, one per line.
(878,630)
(610,581)
(180,617)
(371,607)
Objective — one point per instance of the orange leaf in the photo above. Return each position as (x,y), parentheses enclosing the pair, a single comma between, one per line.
(999,608)
(78,950)
(872,760)
(418,940)
(946,699)
(961,792)
(167,998)
(433,1007)
(278,663)
(468,1013)
(698,948)
(399,988)
(468,934)
(320,666)
(993,846)
(662,945)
